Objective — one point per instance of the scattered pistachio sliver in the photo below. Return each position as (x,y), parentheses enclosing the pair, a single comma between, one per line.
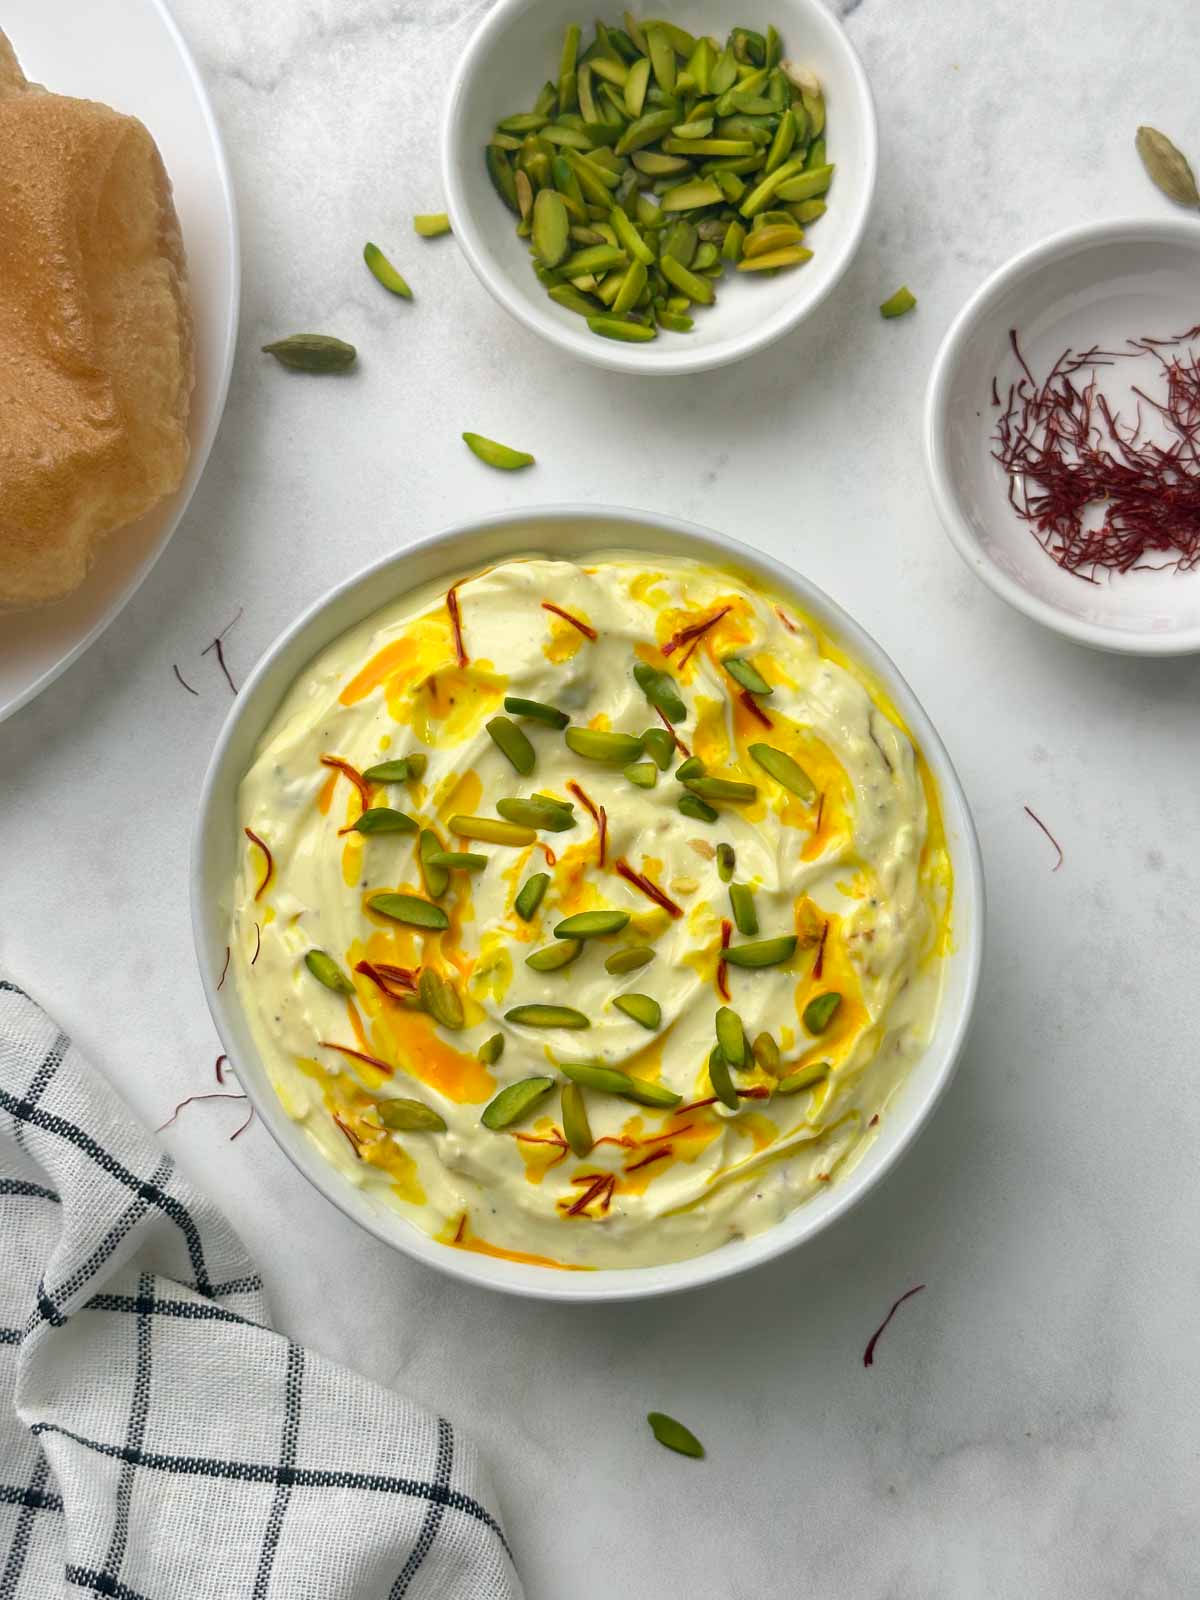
(820,1011)
(313,352)
(509,739)
(382,819)
(409,1116)
(691,805)
(726,861)
(440,998)
(731,1036)
(385,272)
(693,767)
(550,715)
(596,744)
(399,771)
(491,1050)
(629,959)
(591,924)
(497,455)
(530,896)
(659,746)
(514,1103)
(1167,167)
(431,224)
(743,672)
(535,1016)
(741,903)
(643,1008)
(718,1073)
(437,879)
(766,1052)
(536,813)
(674,1435)
(577,1130)
(608,1080)
(553,956)
(762,953)
(659,688)
(326,970)
(642,774)
(491,831)
(458,860)
(723,789)
(896,305)
(409,909)
(780,766)
(803,1077)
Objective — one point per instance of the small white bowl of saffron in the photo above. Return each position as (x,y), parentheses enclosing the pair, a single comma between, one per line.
(1123,297)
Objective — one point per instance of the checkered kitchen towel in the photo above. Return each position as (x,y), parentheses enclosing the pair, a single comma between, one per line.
(158,1440)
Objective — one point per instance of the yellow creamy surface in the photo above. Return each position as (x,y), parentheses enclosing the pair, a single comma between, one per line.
(866,866)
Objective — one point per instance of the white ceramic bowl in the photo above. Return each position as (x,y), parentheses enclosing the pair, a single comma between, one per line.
(565,531)
(1095,285)
(515,50)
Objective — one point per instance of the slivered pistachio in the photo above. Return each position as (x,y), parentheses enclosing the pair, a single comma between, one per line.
(898,304)
(553,800)
(491,1050)
(741,903)
(803,1077)
(766,1053)
(409,909)
(440,998)
(642,1008)
(629,959)
(383,270)
(458,860)
(537,710)
(551,231)
(762,953)
(553,956)
(409,1116)
(511,742)
(695,288)
(399,771)
(514,1103)
(577,1130)
(748,675)
(1167,167)
(326,970)
(806,185)
(774,260)
(547,1017)
(591,924)
(619,328)
(643,774)
(726,861)
(821,1010)
(608,1080)
(731,1036)
(497,455)
(674,1435)
(431,224)
(437,879)
(530,896)
(659,746)
(780,766)
(596,744)
(661,691)
(532,814)
(690,768)
(312,352)
(723,789)
(491,831)
(382,819)
(718,1075)
(699,810)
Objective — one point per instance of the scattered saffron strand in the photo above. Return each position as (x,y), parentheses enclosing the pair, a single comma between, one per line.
(605,1180)
(404,982)
(269,860)
(1049,836)
(786,620)
(646,1161)
(819,963)
(217,1068)
(597,813)
(356,1055)
(869,1352)
(460,1231)
(820,812)
(241,1128)
(365,794)
(224,970)
(670,727)
(692,634)
(752,705)
(183,680)
(218,646)
(257,944)
(352,1138)
(758,1091)
(650,889)
(722,969)
(213,1094)
(585,628)
(460,649)
(551,858)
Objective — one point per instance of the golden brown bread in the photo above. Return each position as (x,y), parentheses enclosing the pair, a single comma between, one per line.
(95,334)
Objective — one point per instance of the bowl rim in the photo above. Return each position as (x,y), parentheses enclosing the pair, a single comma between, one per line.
(942,485)
(799,1225)
(607,353)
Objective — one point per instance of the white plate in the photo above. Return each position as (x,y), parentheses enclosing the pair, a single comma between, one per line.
(129,54)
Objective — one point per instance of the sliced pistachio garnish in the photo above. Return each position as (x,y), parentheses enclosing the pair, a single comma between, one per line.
(608,1080)
(596,744)
(530,896)
(409,1116)
(514,1103)
(898,304)
(726,861)
(458,860)
(382,819)
(398,771)
(660,747)
(691,805)
(383,270)
(821,1010)
(723,789)
(491,831)
(431,224)
(766,1053)
(741,903)
(409,909)
(629,959)
(643,1008)
(551,231)
(497,455)
(437,879)
(642,774)
(674,1435)
(553,800)
(780,766)
(591,924)
(762,953)
(326,970)
(693,767)
(743,672)
(661,691)
(550,715)
(440,998)
(509,739)
(577,1130)
(491,1050)
(722,1083)
(312,352)
(536,1016)
(803,1078)
(553,956)
(731,1036)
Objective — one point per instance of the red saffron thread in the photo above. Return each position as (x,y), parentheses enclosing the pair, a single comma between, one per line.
(752,705)
(657,1155)
(1049,836)
(598,814)
(786,620)
(585,628)
(670,727)
(352,1138)
(217,645)
(257,943)
(551,858)
(869,1352)
(722,968)
(269,858)
(758,1091)
(820,812)
(183,680)
(460,649)
(819,963)
(357,1055)
(604,1181)
(191,1100)
(224,970)
(395,982)
(241,1128)
(356,778)
(217,1068)
(692,635)
(648,888)
(461,1229)
(671,1133)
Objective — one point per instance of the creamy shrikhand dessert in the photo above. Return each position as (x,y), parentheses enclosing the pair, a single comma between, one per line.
(590,915)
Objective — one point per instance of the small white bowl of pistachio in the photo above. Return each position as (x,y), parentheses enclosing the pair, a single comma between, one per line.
(659,196)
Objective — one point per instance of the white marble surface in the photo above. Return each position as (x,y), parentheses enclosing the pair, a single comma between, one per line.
(1030,1426)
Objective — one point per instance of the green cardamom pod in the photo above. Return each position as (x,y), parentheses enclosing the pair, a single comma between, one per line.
(1167,167)
(313,352)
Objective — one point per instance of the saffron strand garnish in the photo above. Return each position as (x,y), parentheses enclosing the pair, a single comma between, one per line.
(460,1231)
(213,1094)
(758,1091)
(752,705)
(460,649)
(670,727)
(597,813)
(357,1055)
(365,793)
(1049,836)
(242,1126)
(257,944)
(218,646)
(650,889)
(183,680)
(597,1186)
(819,963)
(398,983)
(551,858)
(722,968)
(352,1138)
(869,1352)
(657,1155)
(692,635)
(820,812)
(268,859)
(786,620)
(217,1068)
(559,1143)
(224,970)
(585,628)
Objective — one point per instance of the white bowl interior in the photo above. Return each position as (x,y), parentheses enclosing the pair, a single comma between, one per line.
(565,532)
(516,49)
(1096,288)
